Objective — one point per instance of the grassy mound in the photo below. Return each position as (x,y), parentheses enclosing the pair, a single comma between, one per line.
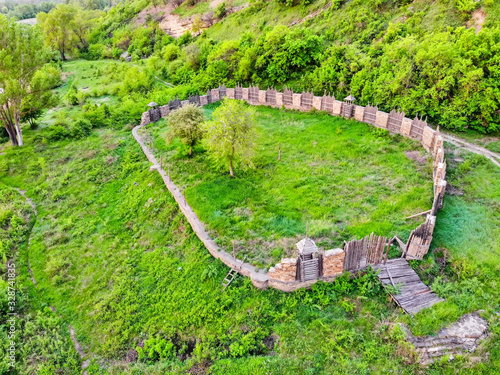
(341,178)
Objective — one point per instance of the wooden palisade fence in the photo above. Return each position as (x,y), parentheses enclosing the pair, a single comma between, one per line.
(357,254)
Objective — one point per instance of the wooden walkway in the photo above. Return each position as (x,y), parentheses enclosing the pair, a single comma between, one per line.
(413,295)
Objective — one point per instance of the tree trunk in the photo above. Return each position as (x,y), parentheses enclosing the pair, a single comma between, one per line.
(19,133)
(231,163)
(12,135)
(191,151)
(63,58)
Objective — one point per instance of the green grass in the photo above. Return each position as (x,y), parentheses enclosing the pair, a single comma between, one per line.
(42,339)
(112,253)
(185,10)
(87,76)
(474,218)
(201,7)
(343,178)
(269,13)
(354,20)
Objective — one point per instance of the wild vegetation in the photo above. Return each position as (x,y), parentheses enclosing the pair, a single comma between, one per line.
(124,230)
(24,11)
(418,56)
(114,257)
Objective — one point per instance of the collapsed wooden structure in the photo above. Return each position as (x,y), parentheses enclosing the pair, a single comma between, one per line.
(408,291)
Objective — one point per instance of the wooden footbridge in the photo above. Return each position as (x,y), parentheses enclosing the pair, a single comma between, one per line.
(413,294)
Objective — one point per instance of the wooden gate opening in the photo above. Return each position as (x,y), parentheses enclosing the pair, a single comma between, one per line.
(309,261)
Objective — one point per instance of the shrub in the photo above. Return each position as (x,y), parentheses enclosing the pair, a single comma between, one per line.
(185,123)
(220,11)
(156,348)
(57,132)
(71,97)
(96,51)
(97,115)
(81,128)
(171,52)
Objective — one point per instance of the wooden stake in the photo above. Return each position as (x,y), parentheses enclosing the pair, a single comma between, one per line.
(419,214)
(387,252)
(279,150)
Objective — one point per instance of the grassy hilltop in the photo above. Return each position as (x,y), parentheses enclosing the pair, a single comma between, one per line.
(339,178)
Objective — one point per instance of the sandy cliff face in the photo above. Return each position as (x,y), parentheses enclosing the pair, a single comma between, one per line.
(170,23)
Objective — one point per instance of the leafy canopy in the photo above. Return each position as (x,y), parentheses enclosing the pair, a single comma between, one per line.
(25,85)
(185,123)
(230,136)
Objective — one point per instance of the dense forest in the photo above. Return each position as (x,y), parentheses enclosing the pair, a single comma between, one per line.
(111,279)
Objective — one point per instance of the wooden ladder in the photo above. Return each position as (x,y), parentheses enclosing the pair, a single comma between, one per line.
(231,275)
(229,279)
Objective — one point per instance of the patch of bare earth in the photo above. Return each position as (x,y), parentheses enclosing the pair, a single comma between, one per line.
(477,20)
(200,368)
(453,190)
(214,3)
(170,23)
(416,157)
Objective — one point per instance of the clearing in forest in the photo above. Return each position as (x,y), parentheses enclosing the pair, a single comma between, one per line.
(338,179)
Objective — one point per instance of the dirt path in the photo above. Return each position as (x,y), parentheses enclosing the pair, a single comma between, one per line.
(493,156)
(78,347)
(164,83)
(309,16)
(477,20)
(33,205)
(214,3)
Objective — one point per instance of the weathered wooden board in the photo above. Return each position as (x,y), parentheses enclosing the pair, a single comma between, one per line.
(413,294)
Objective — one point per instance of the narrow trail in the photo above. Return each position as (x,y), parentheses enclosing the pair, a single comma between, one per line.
(312,15)
(493,156)
(78,347)
(165,83)
(33,205)
(160,81)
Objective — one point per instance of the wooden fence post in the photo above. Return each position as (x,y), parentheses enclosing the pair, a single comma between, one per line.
(279,152)
(387,252)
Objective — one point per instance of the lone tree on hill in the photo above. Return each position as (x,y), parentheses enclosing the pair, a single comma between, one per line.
(185,123)
(230,136)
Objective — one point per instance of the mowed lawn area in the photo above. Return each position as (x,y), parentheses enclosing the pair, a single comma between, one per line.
(338,179)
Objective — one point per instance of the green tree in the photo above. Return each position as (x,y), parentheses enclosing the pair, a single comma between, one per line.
(220,11)
(23,82)
(230,136)
(58,26)
(185,123)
